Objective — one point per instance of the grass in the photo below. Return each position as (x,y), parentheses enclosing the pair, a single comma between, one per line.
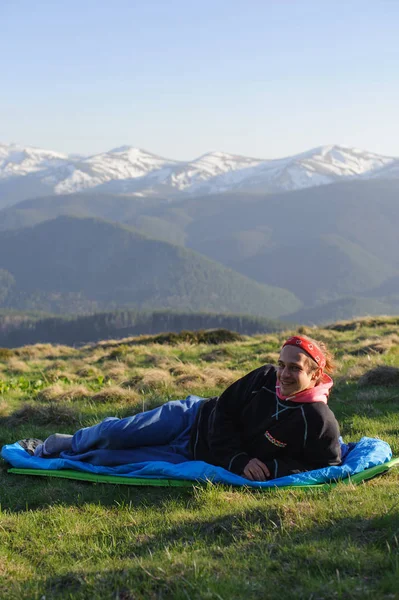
(64,539)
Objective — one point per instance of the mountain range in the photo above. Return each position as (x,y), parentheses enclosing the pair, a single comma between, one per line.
(328,249)
(27,172)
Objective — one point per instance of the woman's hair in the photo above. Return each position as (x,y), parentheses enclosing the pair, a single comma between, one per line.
(330,364)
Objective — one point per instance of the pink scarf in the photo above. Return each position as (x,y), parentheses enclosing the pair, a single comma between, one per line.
(319,393)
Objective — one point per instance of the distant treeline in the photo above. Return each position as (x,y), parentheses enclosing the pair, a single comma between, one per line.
(19,330)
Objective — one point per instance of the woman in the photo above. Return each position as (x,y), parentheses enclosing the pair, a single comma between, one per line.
(273,422)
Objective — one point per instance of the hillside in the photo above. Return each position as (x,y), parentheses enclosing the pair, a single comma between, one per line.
(120,209)
(82,265)
(337,268)
(362,212)
(233,226)
(66,539)
(337,230)
(345,308)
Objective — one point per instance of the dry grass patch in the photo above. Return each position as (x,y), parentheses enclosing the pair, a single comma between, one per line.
(117,372)
(77,366)
(151,359)
(154,355)
(187,375)
(217,355)
(58,393)
(4,408)
(270,358)
(117,395)
(150,379)
(59,363)
(51,393)
(53,375)
(17,367)
(381,375)
(33,352)
(376,345)
(88,371)
(160,360)
(45,351)
(97,356)
(154,379)
(56,375)
(217,377)
(119,353)
(50,414)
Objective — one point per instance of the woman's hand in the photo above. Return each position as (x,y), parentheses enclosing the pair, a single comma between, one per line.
(256,470)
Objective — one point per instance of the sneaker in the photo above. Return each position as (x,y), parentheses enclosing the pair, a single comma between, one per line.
(30,444)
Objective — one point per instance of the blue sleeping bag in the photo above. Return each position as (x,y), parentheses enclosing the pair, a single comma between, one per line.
(357,457)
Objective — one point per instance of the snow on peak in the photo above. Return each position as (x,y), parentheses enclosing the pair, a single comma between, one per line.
(341,161)
(123,163)
(131,170)
(17,160)
(122,149)
(224,161)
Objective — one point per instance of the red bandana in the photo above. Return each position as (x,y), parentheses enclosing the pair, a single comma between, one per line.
(310,348)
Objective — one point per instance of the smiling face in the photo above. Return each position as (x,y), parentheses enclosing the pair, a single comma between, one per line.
(294,372)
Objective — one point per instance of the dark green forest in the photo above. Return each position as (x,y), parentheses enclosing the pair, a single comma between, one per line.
(22,329)
(309,256)
(72,265)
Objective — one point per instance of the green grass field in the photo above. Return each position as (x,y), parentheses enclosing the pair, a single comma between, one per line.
(70,539)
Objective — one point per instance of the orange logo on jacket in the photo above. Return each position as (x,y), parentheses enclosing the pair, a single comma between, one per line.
(273,440)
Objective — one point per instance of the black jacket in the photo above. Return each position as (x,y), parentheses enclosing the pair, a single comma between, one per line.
(249,421)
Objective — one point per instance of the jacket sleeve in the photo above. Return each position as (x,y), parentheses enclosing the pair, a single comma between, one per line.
(224,436)
(322,447)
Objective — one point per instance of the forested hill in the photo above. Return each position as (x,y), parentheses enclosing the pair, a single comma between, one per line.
(346,232)
(71,265)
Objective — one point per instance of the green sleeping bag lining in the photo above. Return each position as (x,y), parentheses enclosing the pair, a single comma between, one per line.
(121,480)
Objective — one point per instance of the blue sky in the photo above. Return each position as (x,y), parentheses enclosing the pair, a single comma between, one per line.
(263,78)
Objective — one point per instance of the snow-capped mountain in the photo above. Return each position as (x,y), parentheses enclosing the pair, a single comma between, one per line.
(200,176)
(132,171)
(19,161)
(120,164)
(388,171)
(319,166)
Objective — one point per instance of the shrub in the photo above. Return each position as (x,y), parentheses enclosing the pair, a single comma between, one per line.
(6,353)
(381,375)
(51,414)
(209,336)
(117,354)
